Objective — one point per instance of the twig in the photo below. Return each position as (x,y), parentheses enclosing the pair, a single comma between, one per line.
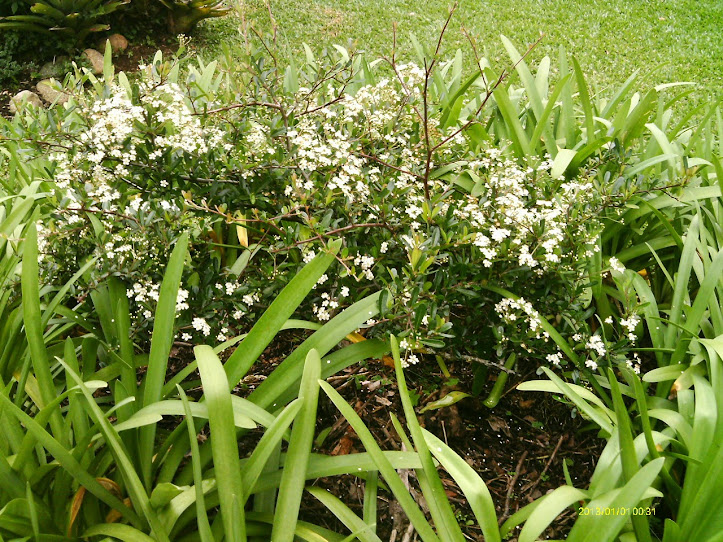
(425,105)
(547,465)
(97,211)
(386,164)
(338,230)
(476,359)
(511,487)
(241,106)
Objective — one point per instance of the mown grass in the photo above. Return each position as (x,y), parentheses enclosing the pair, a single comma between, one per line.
(668,40)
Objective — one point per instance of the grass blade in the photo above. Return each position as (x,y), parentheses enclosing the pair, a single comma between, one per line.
(415,515)
(276,315)
(354,523)
(223,442)
(161,341)
(435,495)
(293,478)
(33,330)
(473,487)
(204,528)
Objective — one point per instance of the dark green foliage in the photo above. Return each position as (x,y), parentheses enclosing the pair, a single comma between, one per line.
(11,49)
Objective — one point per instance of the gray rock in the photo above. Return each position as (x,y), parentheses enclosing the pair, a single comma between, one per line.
(96,60)
(56,68)
(47,90)
(24,96)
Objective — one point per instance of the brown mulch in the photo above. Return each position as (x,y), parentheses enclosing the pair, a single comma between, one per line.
(517,448)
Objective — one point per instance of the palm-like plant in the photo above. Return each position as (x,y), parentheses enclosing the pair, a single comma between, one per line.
(184,15)
(72,20)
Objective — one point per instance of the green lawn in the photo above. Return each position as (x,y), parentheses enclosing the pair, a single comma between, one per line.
(668,40)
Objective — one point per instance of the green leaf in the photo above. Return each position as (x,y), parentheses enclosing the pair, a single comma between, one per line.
(126,533)
(163,494)
(69,463)
(548,508)
(108,68)
(268,443)
(353,522)
(33,331)
(154,412)
(161,341)
(291,488)
(415,515)
(448,400)
(276,315)
(474,489)
(135,488)
(596,528)
(429,480)
(204,528)
(562,160)
(223,442)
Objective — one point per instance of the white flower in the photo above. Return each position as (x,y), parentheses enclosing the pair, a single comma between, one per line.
(186,337)
(344,291)
(384,247)
(555,358)
(616,266)
(630,323)
(250,299)
(596,344)
(200,324)
(499,234)
(181,300)
(591,364)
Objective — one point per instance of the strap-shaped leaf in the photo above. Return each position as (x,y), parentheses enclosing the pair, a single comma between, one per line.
(223,442)
(291,488)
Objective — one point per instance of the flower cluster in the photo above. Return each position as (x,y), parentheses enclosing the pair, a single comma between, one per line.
(278,176)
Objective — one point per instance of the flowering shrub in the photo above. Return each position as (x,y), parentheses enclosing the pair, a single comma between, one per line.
(265,174)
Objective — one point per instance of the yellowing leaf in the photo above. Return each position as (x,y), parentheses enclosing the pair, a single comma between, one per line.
(241,232)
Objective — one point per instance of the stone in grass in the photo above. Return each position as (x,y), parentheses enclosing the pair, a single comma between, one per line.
(48,91)
(95,59)
(118,43)
(24,96)
(56,68)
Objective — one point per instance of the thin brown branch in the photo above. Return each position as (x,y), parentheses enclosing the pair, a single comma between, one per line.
(321,236)
(511,487)
(270,105)
(387,164)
